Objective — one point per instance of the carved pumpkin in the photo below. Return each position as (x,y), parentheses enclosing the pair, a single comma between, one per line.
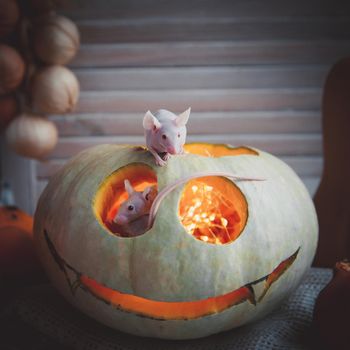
(220,253)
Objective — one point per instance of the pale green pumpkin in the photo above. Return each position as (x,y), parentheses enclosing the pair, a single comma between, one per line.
(167,283)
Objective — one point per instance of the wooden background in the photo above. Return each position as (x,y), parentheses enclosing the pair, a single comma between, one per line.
(251,70)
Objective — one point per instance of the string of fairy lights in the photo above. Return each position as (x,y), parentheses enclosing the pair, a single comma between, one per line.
(207,214)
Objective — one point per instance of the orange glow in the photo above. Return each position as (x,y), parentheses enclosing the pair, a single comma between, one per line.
(217,150)
(186,309)
(278,272)
(167,310)
(213,209)
(112,191)
(283,266)
(219,211)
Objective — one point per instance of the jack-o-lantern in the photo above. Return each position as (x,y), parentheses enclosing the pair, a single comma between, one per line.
(220,252)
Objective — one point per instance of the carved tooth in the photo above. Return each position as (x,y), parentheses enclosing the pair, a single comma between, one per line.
(259,288)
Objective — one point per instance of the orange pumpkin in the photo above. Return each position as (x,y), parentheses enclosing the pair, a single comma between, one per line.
(17,254)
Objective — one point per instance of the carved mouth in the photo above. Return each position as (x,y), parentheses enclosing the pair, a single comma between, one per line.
(252,292)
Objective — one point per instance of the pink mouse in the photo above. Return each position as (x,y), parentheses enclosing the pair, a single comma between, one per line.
(132,216)
(165,133)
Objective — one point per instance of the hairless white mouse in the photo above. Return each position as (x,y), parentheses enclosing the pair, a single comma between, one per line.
(165,133)
(133,213)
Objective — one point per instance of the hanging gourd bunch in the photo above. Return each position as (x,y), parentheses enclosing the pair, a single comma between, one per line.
(33,80)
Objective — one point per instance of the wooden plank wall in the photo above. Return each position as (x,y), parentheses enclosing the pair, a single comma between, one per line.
(252,71)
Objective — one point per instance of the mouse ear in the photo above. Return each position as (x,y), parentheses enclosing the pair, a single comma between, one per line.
(128,187)
(182,119)
(146,193)
(149,193)
(151,122)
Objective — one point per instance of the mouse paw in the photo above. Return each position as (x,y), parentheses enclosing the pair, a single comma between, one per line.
(166,156)
(160,162)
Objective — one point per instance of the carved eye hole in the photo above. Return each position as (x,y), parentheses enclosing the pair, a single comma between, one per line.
(164,137)
(130,207)
(178,135)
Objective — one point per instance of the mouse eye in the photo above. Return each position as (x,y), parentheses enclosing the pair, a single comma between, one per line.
(130,207)
(164,137)
(178,135)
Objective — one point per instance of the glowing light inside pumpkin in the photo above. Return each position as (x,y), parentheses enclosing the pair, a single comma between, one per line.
(223,225)
(186,309)
(213,210)
(176,310)
(217,150)
(112,191)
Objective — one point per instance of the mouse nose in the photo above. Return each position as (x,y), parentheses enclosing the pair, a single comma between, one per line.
(171,150)
(120,220)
